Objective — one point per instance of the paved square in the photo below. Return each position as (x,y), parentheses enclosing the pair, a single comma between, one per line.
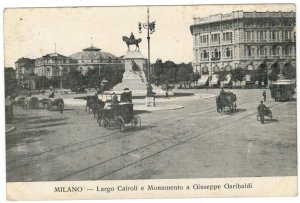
(192,142)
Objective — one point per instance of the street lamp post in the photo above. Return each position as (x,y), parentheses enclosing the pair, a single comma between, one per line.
(150,26)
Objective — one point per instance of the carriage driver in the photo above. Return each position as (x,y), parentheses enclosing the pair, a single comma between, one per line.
(114,99)
(222,91)
(261,111)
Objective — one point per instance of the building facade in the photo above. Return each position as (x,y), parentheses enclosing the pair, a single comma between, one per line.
(244,39)
(92,57)
(35,73)
(25,72)
(53,65)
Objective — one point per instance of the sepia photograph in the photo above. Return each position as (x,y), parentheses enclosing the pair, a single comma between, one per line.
(150,93)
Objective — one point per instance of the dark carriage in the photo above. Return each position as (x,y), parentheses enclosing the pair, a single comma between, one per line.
(226,100)
(31,103)
(55,103)
(119,115)
(282,90)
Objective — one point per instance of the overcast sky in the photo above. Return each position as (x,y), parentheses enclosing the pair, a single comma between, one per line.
(33,32)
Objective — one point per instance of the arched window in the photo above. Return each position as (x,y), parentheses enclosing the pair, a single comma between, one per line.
(216,69)
(205,70)
(228,67)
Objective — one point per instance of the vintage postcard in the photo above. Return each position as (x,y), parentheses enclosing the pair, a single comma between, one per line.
(150,101)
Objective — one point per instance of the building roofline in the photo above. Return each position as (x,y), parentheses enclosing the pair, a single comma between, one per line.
(242,15)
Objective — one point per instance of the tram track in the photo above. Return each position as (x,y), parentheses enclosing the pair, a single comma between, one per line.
(170,142)
(53,153)
(66,148)
(172,120)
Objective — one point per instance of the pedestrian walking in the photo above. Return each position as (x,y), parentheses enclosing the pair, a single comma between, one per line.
(167,95)
(264,95)
(261,111)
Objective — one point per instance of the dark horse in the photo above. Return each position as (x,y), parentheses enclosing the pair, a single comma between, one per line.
(95,105)
(128,41)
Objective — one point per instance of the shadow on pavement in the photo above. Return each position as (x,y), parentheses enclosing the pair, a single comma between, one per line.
(21,137)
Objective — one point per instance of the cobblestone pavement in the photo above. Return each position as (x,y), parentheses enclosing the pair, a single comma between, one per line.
(192,142)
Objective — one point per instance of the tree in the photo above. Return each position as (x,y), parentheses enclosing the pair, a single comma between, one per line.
(273,76)
(223,75)
(74,78)
(289,71)
(260,74)
(237,74)
(92,77)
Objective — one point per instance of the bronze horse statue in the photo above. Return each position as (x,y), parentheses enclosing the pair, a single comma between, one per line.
(129,41)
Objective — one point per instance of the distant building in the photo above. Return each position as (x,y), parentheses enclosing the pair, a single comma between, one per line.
(54,67)
(92,57)
(243,39)
(24,70)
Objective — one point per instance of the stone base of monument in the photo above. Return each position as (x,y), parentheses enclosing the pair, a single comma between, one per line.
(134,77)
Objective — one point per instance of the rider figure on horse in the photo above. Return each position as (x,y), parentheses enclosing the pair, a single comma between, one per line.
(132,37)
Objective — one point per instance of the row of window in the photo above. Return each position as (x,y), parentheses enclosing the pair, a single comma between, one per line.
(215,54)
(264,51)
(249,35)
(50,61)
(215,38)
(273,35)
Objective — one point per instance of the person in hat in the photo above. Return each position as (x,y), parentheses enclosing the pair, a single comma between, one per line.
(115,99)
(261,111)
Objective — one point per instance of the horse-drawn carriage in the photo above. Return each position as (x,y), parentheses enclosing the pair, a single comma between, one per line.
(282,90)
(31,103)
(118,115)
(55,103)
(226,100)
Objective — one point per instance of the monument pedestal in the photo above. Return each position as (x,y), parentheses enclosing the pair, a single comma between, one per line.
(134,77)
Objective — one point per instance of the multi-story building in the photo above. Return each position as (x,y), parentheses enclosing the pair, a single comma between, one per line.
(24,67)
(32,72)
(53,65)
(24,72)
(243,39)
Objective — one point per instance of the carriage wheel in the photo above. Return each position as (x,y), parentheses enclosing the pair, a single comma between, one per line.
(271,116)
(99,121)
(120,123)
(61,108)
(136,122)
(105,123)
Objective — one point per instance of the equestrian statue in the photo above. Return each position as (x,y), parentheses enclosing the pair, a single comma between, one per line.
(132,41)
